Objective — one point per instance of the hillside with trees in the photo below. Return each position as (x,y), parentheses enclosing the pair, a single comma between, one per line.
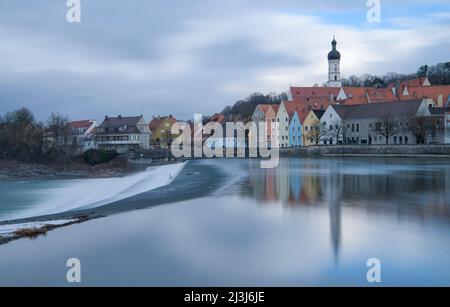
(438,74)
(243,109)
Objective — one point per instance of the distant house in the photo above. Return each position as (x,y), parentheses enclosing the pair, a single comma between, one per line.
(434,96)
(259,118)
(383,123)
(312,130)
(436,125)
(161,129)
(331,123)
(401,86)
(282,118)
(123,134)
(82,134)
(295,130)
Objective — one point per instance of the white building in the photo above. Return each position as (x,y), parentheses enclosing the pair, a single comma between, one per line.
(334,69)
(82,134)
(282,119)
(123,134)
(331,123)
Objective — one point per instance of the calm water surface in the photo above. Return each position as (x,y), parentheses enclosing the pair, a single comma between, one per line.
(307,222)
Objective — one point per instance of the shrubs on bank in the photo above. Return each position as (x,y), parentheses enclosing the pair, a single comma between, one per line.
(98,156)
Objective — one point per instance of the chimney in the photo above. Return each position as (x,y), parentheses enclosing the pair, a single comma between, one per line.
(119,116)
(440,101)
(106,116)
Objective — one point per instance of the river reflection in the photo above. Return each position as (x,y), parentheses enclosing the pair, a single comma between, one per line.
(404,188)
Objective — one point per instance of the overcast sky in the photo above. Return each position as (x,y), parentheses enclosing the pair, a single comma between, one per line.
(179,57)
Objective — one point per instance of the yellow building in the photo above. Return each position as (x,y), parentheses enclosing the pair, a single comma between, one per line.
(161,127)
(312,131)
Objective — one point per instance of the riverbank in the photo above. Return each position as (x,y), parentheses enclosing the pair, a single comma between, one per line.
(407,151)
(13,170)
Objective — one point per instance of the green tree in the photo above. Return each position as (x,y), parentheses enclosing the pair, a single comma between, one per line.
(422,71)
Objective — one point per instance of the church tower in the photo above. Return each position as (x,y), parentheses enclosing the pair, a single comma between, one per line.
(334,69)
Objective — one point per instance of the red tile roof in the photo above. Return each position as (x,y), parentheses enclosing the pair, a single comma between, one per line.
(302,108)
(302,93)
(157,121)
(401,83)
(81,124)
(420,92)
(380,95)
(218,118)
(264,107)
(275,107)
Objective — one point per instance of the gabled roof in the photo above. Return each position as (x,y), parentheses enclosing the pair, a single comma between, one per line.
(120,122)
(380,95)
(218,118)
(419,92)
(355,95)
(81,124)
(264,107)
(319,113)
(412,82)
(342,110)
(275,107)
(303,93)
(292,107)
(383,109)
(156,122)
(113,122)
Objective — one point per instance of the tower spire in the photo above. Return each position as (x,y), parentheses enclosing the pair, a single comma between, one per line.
(334,57)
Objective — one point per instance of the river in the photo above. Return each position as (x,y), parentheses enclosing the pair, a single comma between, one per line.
(230,223)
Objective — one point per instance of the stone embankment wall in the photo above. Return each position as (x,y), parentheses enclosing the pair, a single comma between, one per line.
(370,150)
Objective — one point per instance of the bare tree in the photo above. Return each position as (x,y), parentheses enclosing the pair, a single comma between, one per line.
(59,134)
(418,127)
(316,132)
(386,127)
(337,132)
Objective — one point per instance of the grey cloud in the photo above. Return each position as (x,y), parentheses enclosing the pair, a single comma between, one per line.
(176,56)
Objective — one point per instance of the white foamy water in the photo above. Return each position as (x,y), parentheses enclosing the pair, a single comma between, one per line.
(80,194)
